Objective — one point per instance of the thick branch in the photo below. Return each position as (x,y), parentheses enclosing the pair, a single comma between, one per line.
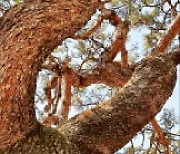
(110,125)
(28,33)
(111,74)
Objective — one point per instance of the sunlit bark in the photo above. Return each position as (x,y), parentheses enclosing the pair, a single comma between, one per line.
(28,33)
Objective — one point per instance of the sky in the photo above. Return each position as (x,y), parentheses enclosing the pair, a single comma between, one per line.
(135,39)
(174,101)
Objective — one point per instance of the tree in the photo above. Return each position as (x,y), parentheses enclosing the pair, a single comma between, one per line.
(28,33)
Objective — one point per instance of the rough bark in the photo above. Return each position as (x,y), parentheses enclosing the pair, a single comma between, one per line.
(110,125)
(28,33)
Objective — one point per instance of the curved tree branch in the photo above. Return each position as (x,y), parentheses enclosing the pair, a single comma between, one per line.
(28,33)
(110,125)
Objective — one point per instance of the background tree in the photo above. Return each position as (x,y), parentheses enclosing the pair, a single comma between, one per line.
(96,65)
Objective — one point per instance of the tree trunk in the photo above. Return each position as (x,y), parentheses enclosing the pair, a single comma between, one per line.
(28,33)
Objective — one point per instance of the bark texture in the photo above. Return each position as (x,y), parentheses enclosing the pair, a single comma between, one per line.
(109,126)
(28,33)
(43,140)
